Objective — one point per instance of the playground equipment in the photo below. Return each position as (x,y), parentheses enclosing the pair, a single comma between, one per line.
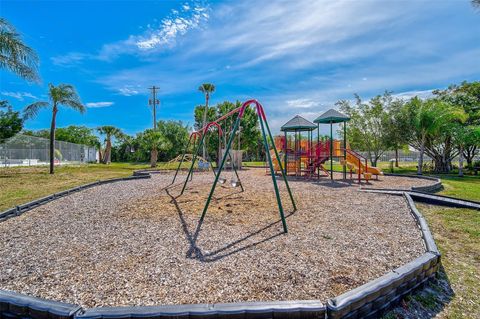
(265,129)
(303,157)
(181,158)
(202,163)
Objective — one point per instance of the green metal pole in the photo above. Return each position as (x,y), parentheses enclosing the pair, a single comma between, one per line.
(180,164)
(300,152)
(193,163)
(274,180)
(283,174)
(224,158)
(318,144)
(331,151)
(285,154)
(345,150)
(194,147)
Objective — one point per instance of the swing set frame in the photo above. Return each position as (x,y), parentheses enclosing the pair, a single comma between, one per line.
(266,136)
(202,135)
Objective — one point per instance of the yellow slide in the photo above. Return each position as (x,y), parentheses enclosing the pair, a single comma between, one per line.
(353,163)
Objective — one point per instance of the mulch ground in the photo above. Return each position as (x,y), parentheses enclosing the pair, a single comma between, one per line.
(137,243)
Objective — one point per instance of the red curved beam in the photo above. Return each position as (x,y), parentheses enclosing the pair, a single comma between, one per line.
(214,123)
(240,110)
(259,106)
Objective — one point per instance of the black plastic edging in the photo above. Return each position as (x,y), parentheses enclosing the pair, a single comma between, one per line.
(432,178)
(443,196)
(423,225)
(276,309)
(445,201)
(15,305)
(427,188)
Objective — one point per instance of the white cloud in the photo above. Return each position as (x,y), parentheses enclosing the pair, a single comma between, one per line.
(172,27)
(19,95)
(69,59)
(176,24)
(98,104)
(128,91)
(302,103)
(423,94)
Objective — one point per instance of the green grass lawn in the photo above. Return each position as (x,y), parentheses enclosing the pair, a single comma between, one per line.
(19,185)
(457,234)
(254,164)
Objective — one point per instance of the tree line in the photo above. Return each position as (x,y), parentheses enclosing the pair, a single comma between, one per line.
(444,126)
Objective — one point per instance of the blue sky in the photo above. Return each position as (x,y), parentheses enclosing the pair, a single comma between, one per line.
(296,57)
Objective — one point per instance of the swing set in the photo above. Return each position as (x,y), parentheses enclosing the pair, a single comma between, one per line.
(198,139)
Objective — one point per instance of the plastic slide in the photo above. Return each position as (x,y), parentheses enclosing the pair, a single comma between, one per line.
(354,161)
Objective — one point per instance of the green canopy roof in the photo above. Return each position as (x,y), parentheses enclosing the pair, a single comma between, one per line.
(298,123)
(332,116)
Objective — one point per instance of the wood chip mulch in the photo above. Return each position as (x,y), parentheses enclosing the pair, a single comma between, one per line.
(135,243)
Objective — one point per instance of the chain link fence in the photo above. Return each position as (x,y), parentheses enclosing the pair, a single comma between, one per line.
(409,156)
(24,150)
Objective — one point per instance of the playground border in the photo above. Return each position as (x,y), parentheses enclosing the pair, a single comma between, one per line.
(428,188)
(428,198)
(370,300)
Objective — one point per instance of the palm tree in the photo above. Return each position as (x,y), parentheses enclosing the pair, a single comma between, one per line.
(207,89)
(63,94)
(15,55)
(155,141)
(109,131)
(431,117)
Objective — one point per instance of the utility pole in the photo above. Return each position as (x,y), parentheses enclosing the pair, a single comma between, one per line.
(154,102)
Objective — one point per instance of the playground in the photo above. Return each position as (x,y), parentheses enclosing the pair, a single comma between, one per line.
(214,233)
(136,242)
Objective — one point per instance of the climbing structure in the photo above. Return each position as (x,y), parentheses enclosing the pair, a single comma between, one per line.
(301,156)
(267,137)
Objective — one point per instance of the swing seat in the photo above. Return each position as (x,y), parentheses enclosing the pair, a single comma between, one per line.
(203,164)
(235,183)
(222,180)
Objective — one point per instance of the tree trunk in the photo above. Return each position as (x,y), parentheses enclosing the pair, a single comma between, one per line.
(370,157)
(420,158)
(204,122)
(460,161)
(153,157)
(396,157)
(52,139)
(108,152)
(469,153)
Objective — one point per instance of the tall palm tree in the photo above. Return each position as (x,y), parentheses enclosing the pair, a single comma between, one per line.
(15,55)
(207,89)
(109,131)
(63,94)
(155,141)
